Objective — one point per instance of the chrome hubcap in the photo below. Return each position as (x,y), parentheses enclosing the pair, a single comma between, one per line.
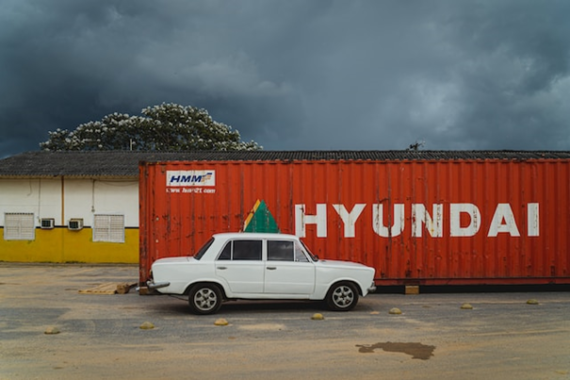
(343,296)
(205,299)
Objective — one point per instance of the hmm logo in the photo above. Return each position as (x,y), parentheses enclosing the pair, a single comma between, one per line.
(191,178)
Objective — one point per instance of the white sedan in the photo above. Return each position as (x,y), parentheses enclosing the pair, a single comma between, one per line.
(260,266)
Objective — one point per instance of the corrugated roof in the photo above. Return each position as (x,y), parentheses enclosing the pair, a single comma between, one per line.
(125,163)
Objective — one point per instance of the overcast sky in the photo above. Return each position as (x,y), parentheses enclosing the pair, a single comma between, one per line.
(296,74)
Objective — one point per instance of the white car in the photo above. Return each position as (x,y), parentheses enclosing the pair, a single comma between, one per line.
(260,266)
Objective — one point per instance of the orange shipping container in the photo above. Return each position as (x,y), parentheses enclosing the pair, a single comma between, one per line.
(418,218)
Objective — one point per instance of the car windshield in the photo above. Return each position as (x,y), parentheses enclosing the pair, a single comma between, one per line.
(314,257)
(203,250)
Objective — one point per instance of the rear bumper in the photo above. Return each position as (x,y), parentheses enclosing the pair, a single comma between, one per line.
(157,285)
(372,288)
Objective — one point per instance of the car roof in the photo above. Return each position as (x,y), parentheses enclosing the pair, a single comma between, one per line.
(253,235)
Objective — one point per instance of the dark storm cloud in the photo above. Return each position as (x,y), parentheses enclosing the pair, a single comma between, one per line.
(295,74)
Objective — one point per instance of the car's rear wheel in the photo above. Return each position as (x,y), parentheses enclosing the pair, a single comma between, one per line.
(342,296)
(205,299)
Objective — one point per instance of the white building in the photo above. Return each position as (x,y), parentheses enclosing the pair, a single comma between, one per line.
(69,207)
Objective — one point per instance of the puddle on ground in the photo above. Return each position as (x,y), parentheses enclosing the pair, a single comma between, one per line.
(415,350)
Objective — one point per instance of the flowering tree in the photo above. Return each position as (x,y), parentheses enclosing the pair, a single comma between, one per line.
(163,127)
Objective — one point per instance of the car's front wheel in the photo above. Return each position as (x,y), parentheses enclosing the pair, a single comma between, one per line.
(205,299)
(342,296)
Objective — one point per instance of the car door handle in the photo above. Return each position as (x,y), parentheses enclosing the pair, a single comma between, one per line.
(271,268)
(222,268)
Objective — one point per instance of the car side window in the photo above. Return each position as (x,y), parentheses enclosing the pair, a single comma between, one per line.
(241,250)
(300,253)
(226,252)
(280,250)
(246,250)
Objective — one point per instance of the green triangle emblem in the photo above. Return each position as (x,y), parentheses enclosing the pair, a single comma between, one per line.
(260,219)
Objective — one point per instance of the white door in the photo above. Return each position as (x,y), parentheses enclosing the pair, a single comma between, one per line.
(241,265)
(287,270)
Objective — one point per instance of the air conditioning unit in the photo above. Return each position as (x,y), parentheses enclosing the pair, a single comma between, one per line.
(47,224)
(75,224)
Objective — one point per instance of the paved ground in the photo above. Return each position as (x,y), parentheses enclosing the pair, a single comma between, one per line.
(502,337)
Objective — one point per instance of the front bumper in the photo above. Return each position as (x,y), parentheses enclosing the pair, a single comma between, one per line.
(372,288)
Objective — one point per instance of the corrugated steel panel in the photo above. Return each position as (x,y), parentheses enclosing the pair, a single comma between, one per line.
(424,222)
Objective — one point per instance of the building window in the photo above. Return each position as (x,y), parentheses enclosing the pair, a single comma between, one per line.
(110,228)
(19,226)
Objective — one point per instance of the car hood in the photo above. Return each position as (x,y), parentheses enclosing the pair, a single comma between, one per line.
(340,264)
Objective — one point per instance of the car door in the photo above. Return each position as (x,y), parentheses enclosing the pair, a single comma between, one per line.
(288,270)
(240,265)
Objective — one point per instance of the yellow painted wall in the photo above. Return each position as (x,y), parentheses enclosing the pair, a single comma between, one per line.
(60,245)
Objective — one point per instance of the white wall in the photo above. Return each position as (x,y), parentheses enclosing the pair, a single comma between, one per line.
(82,199)
(42,197)
(114,197)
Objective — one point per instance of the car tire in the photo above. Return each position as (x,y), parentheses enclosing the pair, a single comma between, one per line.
(205,299)
(342,296)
